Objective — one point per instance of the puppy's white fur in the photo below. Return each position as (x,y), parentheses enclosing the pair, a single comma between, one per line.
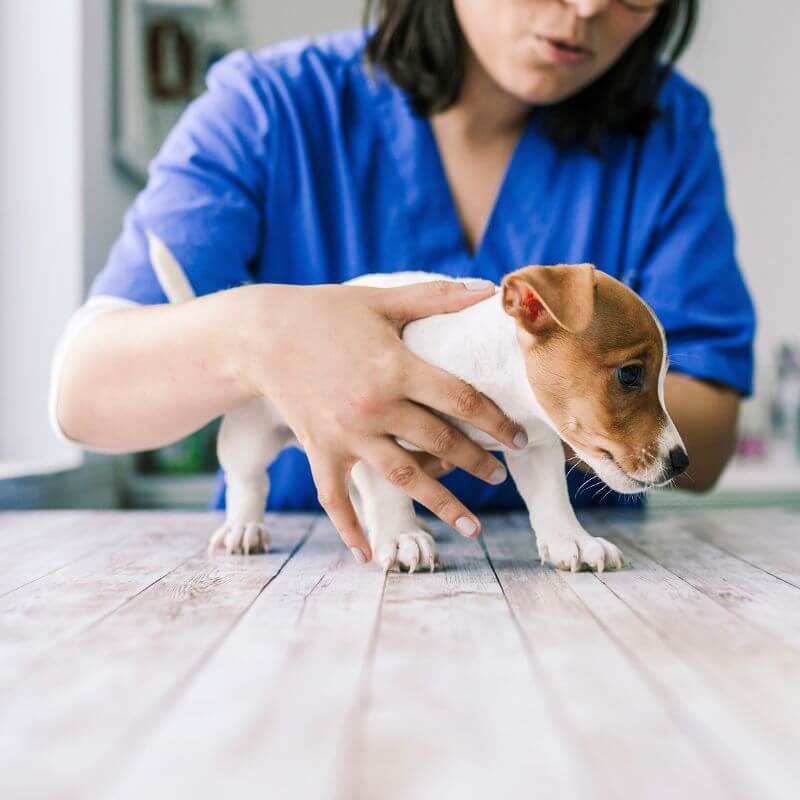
(478,344)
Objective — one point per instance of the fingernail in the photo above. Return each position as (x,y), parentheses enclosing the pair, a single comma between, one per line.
(358,555)
(521,439)
(466,526)
(498,475)
(478,285)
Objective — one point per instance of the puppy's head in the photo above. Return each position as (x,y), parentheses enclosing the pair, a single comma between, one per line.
(596,358)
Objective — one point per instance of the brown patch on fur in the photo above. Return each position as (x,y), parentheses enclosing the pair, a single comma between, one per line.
(574,373)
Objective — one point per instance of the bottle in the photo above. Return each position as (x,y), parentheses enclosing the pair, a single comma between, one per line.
(785,415)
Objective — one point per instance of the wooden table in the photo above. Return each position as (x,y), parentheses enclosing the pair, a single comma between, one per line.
(132,665)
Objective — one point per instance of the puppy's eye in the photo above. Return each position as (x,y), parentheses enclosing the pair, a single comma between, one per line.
(630,376)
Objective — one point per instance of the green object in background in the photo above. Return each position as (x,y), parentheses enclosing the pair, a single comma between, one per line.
(195,454)
(186,455)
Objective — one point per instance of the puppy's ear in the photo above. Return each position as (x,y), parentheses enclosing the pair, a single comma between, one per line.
(541,298)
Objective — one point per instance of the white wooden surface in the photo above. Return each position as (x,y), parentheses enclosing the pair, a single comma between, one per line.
(134,665)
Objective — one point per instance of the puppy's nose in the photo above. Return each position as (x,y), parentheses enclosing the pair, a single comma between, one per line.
(679,461)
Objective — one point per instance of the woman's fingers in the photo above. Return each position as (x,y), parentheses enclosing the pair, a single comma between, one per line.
(331,479)
(443,392)
(424,429)
(402,304)
(400,468)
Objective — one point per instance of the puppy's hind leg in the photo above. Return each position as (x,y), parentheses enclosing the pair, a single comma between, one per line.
(397,538)
(249,439)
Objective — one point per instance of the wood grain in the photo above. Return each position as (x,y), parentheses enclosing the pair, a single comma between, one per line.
(592,681)
(132,664)
(738,681)
(34,544)
(96,691)
(450,695)
(273,706)
(132,554)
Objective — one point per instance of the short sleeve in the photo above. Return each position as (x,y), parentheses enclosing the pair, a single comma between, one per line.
(205,192)
(688,271)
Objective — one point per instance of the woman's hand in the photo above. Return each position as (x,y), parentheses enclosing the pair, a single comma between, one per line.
(335,366)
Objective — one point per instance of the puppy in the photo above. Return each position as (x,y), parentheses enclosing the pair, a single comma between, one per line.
(566,351)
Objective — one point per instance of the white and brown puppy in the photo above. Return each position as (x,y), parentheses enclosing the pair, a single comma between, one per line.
(566,351)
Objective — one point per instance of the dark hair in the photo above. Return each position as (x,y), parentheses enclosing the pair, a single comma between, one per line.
(419,44)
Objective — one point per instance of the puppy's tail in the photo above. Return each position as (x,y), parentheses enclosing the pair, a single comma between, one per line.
(170,275)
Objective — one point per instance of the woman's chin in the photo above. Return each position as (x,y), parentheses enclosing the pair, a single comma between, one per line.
(541,84)
(542,91)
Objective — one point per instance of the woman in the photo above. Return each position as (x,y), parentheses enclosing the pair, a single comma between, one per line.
(467,137)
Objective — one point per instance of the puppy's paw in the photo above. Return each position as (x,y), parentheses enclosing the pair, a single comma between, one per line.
(411,550)
(238,538)
(576,553)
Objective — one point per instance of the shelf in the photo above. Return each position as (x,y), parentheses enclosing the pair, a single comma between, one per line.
(170,491)
(191,5)
(773,474)
(774,481)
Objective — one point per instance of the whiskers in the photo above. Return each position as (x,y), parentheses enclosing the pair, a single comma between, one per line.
(575,461)
(634,497)
(590,483)
(605,494)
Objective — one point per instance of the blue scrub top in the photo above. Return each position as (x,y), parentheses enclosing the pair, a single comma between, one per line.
(299,166)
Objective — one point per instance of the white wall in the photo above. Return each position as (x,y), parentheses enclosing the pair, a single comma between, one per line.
(266,22)
(41,215)
(745,57)
(106,194)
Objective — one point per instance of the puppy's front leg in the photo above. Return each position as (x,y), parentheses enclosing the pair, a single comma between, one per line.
(397,537)
(562,541)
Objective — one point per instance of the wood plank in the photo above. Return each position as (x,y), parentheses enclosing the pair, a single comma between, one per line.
(73,712)
(272,707)
(610,708)
(735,750)
(451,707)
(722,639)
(138,549)
(749,592)
(204,685)
(768,539)
(735,683)
(35,543)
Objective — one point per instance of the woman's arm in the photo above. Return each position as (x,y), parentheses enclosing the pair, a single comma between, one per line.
(705,415)
(329,357)
(139,378)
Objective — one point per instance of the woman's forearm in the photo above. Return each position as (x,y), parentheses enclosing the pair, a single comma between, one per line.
(705,415)
(139,378)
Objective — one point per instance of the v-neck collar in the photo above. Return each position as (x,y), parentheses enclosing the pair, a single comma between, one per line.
(438,177)
(436,238)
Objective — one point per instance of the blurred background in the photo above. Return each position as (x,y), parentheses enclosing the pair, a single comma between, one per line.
(89,89)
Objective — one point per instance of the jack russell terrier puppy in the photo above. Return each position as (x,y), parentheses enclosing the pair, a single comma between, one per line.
(566,351)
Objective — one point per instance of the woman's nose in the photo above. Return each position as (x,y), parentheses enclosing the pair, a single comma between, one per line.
(588,8)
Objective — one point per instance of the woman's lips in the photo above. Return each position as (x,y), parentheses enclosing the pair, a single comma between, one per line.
(561,51)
